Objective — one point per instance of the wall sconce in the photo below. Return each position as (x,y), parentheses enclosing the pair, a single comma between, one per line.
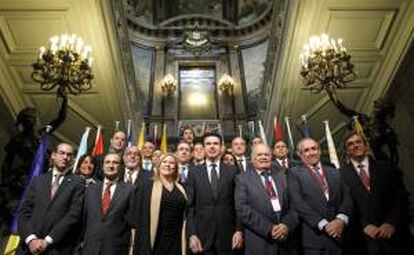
(226,84)
(169,85)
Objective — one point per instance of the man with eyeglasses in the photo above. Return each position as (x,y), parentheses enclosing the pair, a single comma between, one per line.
(52,208)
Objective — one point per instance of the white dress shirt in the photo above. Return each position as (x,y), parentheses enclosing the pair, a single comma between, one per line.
(134,175)
(209,168)
(111,189)
(243,161)
(364,162)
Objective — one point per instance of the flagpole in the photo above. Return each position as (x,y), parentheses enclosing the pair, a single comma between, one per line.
(262,133)
(331,146)
(289,133)
(129,132)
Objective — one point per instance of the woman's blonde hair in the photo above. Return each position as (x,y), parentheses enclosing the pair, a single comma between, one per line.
(156,176)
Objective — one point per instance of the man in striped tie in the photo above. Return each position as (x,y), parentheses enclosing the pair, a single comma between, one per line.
(52,208)
(379,195)
(321,200)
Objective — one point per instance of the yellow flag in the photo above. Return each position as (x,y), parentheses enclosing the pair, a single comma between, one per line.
(141,136)
(12,245)
(164,139)
(358,127)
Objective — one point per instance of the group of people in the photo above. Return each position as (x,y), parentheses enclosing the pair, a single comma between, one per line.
(206,199)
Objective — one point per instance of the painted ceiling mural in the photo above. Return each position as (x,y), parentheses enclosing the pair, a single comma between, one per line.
(247,10)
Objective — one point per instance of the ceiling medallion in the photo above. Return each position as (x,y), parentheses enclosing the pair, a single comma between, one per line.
(196,41)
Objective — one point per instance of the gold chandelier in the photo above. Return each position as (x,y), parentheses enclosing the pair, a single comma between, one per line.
(66,64)
(326,64)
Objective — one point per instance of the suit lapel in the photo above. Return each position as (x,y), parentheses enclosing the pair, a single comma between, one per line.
(116,197)
(205,180)
(331,181)
(314,182)
(259,183)
(47,182)
(279,186)
(66,180)
(97,197)
(222,178)
(355,178)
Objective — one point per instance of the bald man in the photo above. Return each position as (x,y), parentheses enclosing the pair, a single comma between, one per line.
(263,207)
(321,199)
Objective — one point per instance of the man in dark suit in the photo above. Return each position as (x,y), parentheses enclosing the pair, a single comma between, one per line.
(183,153)
(130,172)
(107,205)
(211,221)
(53,206)
(281,153)
(321,200)
(262,205)
(379,196)
(238,149)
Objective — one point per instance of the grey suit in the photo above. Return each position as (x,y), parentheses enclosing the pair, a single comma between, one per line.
(255,212)
(110,234)
(312,206)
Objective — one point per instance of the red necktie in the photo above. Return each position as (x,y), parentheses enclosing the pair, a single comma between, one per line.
(106,200)
(364,177)
(269,187)
(55,186)
(284,164)
(321,180)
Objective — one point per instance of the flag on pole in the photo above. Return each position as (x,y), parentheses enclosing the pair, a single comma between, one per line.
(129,133)
(83,147)
(358,127)
(240,130)
(331,146)
(35,170)
(262,133)
(278,130)
(141,136)
(304,128)
(98,148)
(164,138)
(289,131)
(155,136)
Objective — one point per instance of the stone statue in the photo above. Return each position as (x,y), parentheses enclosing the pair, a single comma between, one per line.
(20,152)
